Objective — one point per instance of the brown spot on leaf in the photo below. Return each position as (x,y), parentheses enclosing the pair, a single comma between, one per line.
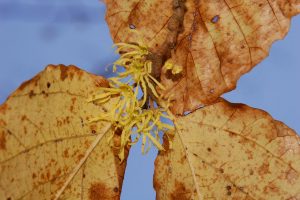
(71,75)
(3,108)
(48,85)
(31,94)
(264,169)
(25,130)
(116,189)
(34,175)
(79,157)
(73,100)
(87,143)
(48,175)
(23,117)
(66,153)
(71,108)
(228,187)
(2,141)
(99,191)
(58,173)
(251,172)
(180,192)
(59,123)
(292,176)
(42,176)
(93,128)
(271,188)
(63,72)
(249,154)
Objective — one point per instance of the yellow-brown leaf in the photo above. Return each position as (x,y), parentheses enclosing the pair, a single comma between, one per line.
(218,41)
(48,148)
(230,151)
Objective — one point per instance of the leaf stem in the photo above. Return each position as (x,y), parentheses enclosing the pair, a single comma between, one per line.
(177,126)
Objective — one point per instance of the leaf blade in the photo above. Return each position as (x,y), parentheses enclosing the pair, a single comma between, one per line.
(236,152)
(219,42)
(47,134)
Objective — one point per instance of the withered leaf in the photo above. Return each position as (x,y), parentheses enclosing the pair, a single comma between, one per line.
(216,42)
(48,148)
(230,151)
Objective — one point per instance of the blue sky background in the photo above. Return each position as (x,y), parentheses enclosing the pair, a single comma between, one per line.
(36,33)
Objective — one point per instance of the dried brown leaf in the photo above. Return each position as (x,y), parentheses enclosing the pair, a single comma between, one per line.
(230,151)
(48,149)
(218,41)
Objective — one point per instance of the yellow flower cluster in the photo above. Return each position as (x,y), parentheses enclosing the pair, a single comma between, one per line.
(137,68)
(127,112)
